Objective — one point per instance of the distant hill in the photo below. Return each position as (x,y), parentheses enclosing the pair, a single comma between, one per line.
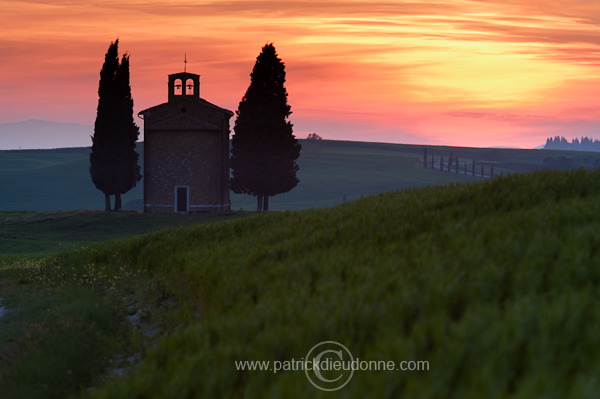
(331,172)
(36,134)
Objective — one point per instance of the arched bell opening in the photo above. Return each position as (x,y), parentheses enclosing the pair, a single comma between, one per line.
(189,87)
(178,87)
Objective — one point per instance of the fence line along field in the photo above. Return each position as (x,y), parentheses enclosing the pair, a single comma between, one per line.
(494,284)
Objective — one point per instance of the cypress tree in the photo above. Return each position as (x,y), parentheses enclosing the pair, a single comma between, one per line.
(100,159)
(126,158)
(114,162)
(264,149)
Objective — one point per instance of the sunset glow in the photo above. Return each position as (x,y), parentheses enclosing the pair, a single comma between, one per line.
(456,72)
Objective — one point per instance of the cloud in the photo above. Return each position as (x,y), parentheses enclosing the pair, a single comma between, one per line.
(394,65)
(496,116)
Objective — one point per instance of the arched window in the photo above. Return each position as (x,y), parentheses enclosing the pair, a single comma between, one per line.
(189,87)
(178,87)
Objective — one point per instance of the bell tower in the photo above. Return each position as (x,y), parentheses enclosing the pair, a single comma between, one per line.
(183,84)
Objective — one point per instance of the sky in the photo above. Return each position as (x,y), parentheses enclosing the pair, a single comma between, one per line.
(449,72)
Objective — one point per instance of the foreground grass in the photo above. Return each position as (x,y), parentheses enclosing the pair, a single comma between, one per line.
(59,231)
(494,284)
(58,340)
(64,326)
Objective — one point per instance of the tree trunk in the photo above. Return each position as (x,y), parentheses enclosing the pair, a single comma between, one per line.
(259,202)
(107,202)
(266,203)
(117,202)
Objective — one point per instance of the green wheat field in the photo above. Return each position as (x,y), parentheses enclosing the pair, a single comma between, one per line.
(493,282)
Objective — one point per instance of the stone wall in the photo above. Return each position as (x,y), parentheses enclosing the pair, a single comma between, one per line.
(185,158)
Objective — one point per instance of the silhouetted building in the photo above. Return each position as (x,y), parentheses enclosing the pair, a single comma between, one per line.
(186,151)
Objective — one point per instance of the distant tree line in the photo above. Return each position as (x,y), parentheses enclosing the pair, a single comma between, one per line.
(576,144)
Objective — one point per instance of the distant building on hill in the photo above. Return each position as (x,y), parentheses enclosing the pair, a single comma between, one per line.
(186,151)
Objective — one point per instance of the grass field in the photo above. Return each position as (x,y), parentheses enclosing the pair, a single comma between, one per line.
(50,232)
(494,284)
(331,172)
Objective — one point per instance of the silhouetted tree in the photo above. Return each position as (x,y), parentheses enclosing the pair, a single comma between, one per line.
(101,165)
(128,133)
(264,149)
(114,162)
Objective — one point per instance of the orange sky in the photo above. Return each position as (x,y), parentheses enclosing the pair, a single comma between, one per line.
(457,72)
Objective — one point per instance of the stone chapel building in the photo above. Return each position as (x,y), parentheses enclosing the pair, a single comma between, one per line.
(186,151)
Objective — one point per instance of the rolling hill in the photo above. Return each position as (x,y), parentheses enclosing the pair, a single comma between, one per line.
(331,172)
